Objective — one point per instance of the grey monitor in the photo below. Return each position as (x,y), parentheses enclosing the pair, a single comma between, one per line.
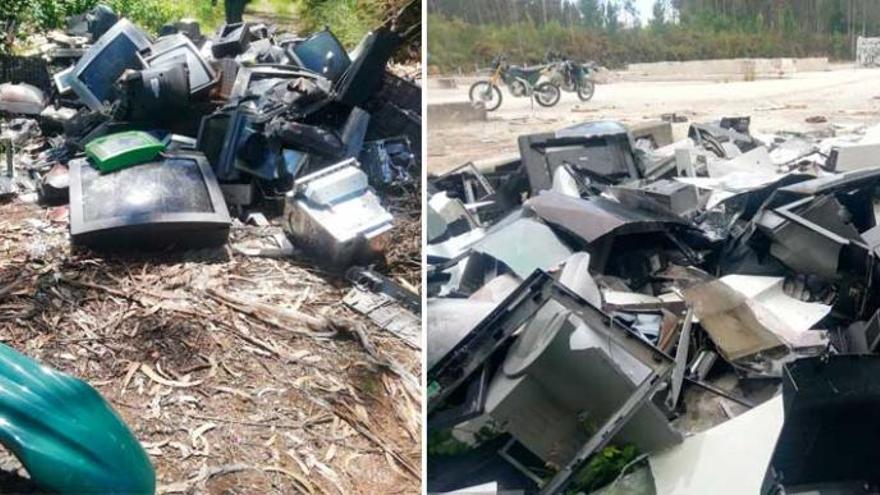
(115,51)
(168,49)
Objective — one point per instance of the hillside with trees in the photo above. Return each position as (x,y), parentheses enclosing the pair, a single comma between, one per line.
(463,34)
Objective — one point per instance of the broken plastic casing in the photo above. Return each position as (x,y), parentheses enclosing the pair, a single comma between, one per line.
(124,149)
(64,433)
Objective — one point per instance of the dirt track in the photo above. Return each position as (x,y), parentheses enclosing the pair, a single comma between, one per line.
(844,95)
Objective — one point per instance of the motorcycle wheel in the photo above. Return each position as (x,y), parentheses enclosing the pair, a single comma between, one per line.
(547,94)
(586,90)
(488,94)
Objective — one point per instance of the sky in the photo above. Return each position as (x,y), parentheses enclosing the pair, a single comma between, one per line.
(645,7)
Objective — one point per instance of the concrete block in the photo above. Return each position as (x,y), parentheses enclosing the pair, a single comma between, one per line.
(441,114)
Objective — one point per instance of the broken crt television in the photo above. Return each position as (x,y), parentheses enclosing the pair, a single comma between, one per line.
(323,54)
(115,51)
(174,201)
(336,216)
(595,152)
(168,50)
(565,384)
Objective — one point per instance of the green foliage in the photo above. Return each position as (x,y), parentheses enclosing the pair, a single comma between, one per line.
(454,44)
(591,13)
(603,468)
(350,20)
(148,14)
(441,442)
(659,13)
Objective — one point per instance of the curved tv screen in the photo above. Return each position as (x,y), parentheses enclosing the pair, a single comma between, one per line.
(171,186)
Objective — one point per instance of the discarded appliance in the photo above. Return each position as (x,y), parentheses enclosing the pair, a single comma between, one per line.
(829,438)
(369,279)
(22,99)
(386,303)
(55,188)
(726,138)
(387,313)
(388,162)
(812,236)
(65,434)
(170,49)
(155,94)
(360,80)
(524,245)
(744,445)
(335,215)
(596,152)
(853,157)
(172,202)
(742,326)
(663,196)
(231,40)
(636,369)
(791,241)
(116,151)
(115,51)
(93,23)
(322,54)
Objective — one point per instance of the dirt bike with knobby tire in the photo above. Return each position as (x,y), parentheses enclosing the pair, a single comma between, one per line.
(520,81)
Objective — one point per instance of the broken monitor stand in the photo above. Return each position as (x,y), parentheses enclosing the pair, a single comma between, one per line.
(495,333)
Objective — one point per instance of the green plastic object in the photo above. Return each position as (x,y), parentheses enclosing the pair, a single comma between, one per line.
(123,149)
(64,433)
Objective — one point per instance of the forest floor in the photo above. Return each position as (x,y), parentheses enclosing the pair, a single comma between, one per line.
(844,96)
(237,374)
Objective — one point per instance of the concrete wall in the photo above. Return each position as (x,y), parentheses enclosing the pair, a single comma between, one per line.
(735,69)
(868,52)
(453,113)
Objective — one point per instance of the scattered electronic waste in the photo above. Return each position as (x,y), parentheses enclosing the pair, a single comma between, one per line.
(167,142)
(183,144)
(388,304)
(599,301)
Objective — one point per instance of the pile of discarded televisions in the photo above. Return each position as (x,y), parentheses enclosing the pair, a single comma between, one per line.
(165,143)
(167,139)
(692,317)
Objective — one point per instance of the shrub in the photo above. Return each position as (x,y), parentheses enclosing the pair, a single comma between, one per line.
(457,45)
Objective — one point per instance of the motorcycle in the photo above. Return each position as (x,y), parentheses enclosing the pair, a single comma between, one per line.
(573,77)
(520,81)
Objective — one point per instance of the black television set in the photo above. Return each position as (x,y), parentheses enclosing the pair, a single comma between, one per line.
(233,145)
(323,54)
(231,40)
(172,202)
(364,75)
(169,49)
(247,77)
(115,51)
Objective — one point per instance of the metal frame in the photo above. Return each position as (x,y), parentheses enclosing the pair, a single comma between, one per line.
(497,329)
(516,309)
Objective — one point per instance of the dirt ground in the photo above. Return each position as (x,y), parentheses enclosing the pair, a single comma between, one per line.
(845,96)
(239,375)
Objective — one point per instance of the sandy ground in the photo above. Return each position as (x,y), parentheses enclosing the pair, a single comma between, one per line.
(845,96)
